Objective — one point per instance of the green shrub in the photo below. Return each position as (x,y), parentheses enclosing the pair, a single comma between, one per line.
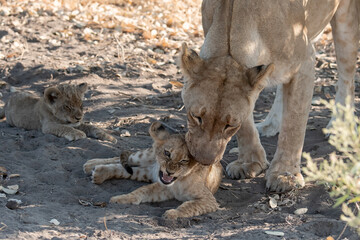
(341,174)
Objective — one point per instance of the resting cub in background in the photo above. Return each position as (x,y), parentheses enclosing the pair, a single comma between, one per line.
(58,112)
(174,173)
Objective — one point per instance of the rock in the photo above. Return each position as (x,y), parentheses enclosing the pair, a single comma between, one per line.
(125,133)
(13,203)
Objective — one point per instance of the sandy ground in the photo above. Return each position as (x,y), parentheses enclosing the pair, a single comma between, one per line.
(129,79)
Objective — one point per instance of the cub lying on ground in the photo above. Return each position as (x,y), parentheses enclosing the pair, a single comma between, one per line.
(58,112)
(174,173)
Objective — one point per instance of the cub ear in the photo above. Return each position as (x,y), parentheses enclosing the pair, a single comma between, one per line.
(83,87)
(158,132)
(51,94)
(258,75)
(190,62)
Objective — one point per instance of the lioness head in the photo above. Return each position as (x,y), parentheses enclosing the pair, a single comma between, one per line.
(65,102)
(171,153)
(219,95)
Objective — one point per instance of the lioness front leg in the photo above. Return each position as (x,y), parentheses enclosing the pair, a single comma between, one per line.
(284,171)
(201,205)
(60,130)
(155,192)
(95,132)
(252,157)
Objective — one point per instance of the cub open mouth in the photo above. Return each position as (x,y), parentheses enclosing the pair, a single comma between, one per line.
(166,179)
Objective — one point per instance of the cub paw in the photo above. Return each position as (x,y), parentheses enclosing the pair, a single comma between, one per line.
(282,182)
(100,174)
(240,170)
(125,199)
(171,214)
(107,137)
(89,166)
(75,135)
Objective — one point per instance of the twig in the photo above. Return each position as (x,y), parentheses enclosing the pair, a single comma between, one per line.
(342,232)
(105,223)
(3,227)
(122,49)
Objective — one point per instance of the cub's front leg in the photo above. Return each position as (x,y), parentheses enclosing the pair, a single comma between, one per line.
(155,192)
(205,203)
(95,132)
(60,130)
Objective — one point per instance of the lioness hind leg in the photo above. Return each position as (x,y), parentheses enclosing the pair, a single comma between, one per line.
(345,29)
(252,157)
(272,123)
(90,164)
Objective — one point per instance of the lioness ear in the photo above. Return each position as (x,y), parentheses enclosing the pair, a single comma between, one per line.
(158,132)
(190,60)
(51,94)
(257,76)
(83,87)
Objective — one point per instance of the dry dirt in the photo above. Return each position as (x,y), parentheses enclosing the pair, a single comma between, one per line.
(133,79)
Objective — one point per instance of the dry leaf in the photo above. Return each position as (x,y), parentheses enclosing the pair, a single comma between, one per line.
(176,84)
(275,233)
(300,211)
(272,202)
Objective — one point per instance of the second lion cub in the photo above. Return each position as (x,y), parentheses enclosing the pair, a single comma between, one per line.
(174,173)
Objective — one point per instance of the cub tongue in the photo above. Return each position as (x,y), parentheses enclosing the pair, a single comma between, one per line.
(167,178)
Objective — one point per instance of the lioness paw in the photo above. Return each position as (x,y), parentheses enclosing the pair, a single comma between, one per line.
(75,135)
(125,199)
(240,170)
(282,182)
(172,214)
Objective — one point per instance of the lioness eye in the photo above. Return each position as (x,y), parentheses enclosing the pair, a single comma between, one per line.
(167,153)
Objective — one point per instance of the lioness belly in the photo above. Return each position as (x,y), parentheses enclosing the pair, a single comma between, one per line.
(19,111)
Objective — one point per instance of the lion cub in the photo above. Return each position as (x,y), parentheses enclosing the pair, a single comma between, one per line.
(174,173)
(58,112)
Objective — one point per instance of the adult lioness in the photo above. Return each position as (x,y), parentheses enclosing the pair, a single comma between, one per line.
(58,112)
(250,45)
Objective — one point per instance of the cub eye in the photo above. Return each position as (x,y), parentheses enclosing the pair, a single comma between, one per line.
(167,153)
(227,126)
(184,161)
(67,108)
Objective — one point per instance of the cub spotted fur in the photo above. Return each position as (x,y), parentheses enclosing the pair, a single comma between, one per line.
(174,173)
(58,112)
